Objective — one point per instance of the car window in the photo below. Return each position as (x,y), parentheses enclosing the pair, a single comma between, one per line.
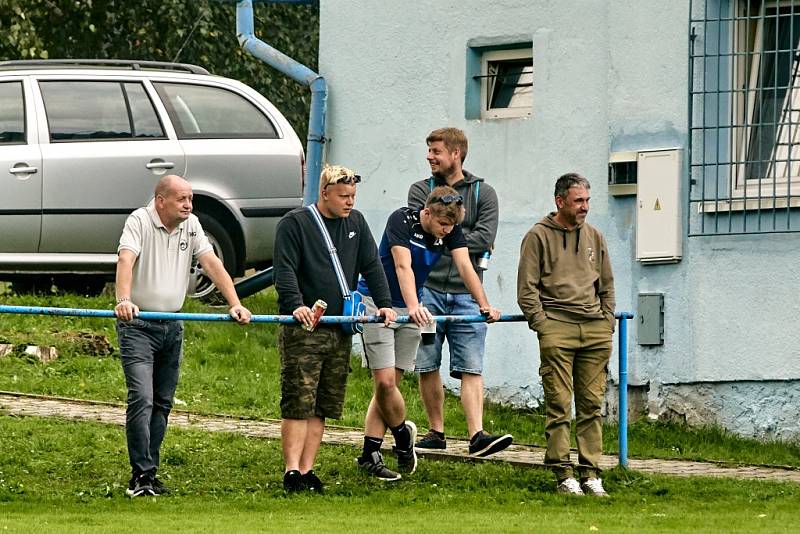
(96,111)
(12,113)
(204,112)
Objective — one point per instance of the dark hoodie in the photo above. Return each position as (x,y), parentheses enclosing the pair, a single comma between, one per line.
(564,274)
(479,226)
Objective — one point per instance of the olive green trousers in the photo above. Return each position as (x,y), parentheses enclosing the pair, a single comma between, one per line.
(574,362)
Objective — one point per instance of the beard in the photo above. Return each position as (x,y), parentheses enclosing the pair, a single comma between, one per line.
(443,172)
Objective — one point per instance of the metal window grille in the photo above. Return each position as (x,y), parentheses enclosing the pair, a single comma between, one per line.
(744,116)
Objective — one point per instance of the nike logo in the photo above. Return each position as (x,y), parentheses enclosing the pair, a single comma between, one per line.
(351,235)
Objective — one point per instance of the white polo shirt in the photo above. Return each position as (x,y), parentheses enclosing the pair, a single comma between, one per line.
(163,259)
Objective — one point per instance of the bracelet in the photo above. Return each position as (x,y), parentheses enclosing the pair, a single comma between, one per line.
(123,299)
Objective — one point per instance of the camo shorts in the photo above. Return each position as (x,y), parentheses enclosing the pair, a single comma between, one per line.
(314,369)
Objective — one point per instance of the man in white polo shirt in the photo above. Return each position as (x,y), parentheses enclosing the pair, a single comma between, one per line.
(155,255)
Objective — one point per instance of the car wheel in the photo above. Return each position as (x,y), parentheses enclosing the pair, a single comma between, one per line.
(200,285)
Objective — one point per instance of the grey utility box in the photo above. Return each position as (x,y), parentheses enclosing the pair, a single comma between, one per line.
(651,319)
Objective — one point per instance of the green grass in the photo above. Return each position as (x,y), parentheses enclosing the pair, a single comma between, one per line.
(235,370)
(60,476)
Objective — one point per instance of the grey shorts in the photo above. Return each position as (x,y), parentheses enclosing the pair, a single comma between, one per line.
(389,346)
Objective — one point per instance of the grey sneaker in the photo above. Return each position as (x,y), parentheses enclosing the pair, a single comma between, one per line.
(374,466)
(141,486)
(593,486)
(431,441)
(483,444)
(569,486)
(407,460)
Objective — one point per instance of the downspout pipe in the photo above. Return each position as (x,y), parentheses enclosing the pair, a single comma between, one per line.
(300,73)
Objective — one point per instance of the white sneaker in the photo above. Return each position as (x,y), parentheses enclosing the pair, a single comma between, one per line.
(569,486)
(594,487)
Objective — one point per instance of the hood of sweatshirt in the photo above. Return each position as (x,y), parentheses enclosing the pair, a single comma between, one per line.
(469,178)
(550,222)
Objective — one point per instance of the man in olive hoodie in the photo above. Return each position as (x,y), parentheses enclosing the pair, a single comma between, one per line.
(565,288)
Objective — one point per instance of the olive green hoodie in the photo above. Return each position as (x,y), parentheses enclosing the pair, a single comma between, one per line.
(564,274)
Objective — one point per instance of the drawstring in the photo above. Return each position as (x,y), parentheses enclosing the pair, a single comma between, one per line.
(577,238)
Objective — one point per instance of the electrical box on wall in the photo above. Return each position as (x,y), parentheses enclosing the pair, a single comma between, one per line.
(622,173)
(650,312)
(659,238)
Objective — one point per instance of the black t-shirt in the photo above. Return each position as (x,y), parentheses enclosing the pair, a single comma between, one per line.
(405,230)
(302,264)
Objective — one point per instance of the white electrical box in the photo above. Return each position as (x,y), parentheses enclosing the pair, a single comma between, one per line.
(659,238)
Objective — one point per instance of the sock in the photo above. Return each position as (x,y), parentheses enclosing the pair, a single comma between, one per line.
(402,437)
(371,445)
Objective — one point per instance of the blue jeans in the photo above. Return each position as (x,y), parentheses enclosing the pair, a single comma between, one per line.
(151,353)
(466,340)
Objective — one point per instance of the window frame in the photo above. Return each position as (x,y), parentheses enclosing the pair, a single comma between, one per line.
(749,46)
(121,83)
(486,78)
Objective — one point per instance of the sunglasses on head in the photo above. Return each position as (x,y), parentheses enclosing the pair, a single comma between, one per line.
(449,199)
(344,179)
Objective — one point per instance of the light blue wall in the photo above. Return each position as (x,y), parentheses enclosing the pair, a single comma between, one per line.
(608,76)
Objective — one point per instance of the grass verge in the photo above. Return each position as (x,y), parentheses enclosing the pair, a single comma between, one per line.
(60,476)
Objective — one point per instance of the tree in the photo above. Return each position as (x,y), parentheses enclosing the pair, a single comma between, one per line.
(202,32)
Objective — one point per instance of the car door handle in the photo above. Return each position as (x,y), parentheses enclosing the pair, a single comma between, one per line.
(160,165)
(23,170)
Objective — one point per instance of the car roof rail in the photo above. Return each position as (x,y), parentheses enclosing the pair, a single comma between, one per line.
(132,64)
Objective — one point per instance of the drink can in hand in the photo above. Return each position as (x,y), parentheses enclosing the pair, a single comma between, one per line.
(318,309)
(429,333)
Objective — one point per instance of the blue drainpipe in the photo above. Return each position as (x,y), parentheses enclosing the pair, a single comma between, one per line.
(300,73)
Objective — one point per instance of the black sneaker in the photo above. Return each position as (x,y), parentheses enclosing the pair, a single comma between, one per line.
(407,459)
(160,488)
(292,481)
(374,466)
(311,482)
(483,444)
(141,485)
(431,441)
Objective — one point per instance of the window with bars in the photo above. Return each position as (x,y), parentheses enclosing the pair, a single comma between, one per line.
(744,116)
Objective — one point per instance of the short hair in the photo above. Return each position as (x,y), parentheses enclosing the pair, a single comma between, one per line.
(333,174)
(166,184)
(452,138)
(454,211)
(571,179)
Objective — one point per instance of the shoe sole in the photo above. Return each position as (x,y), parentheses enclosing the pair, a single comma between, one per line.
(144,493)
(413,430)
(431,447)
(495,446)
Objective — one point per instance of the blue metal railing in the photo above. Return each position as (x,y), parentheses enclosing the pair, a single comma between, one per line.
(288,319)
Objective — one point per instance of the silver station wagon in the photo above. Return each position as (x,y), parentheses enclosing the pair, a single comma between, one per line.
(83,142)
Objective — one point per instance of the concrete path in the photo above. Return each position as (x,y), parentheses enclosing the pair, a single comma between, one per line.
(521,455)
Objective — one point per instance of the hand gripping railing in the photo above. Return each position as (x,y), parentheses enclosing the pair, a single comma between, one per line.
(288,319)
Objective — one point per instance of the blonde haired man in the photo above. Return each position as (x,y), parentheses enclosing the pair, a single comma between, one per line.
(315,365)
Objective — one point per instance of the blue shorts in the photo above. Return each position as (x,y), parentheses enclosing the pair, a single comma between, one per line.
(465,340)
